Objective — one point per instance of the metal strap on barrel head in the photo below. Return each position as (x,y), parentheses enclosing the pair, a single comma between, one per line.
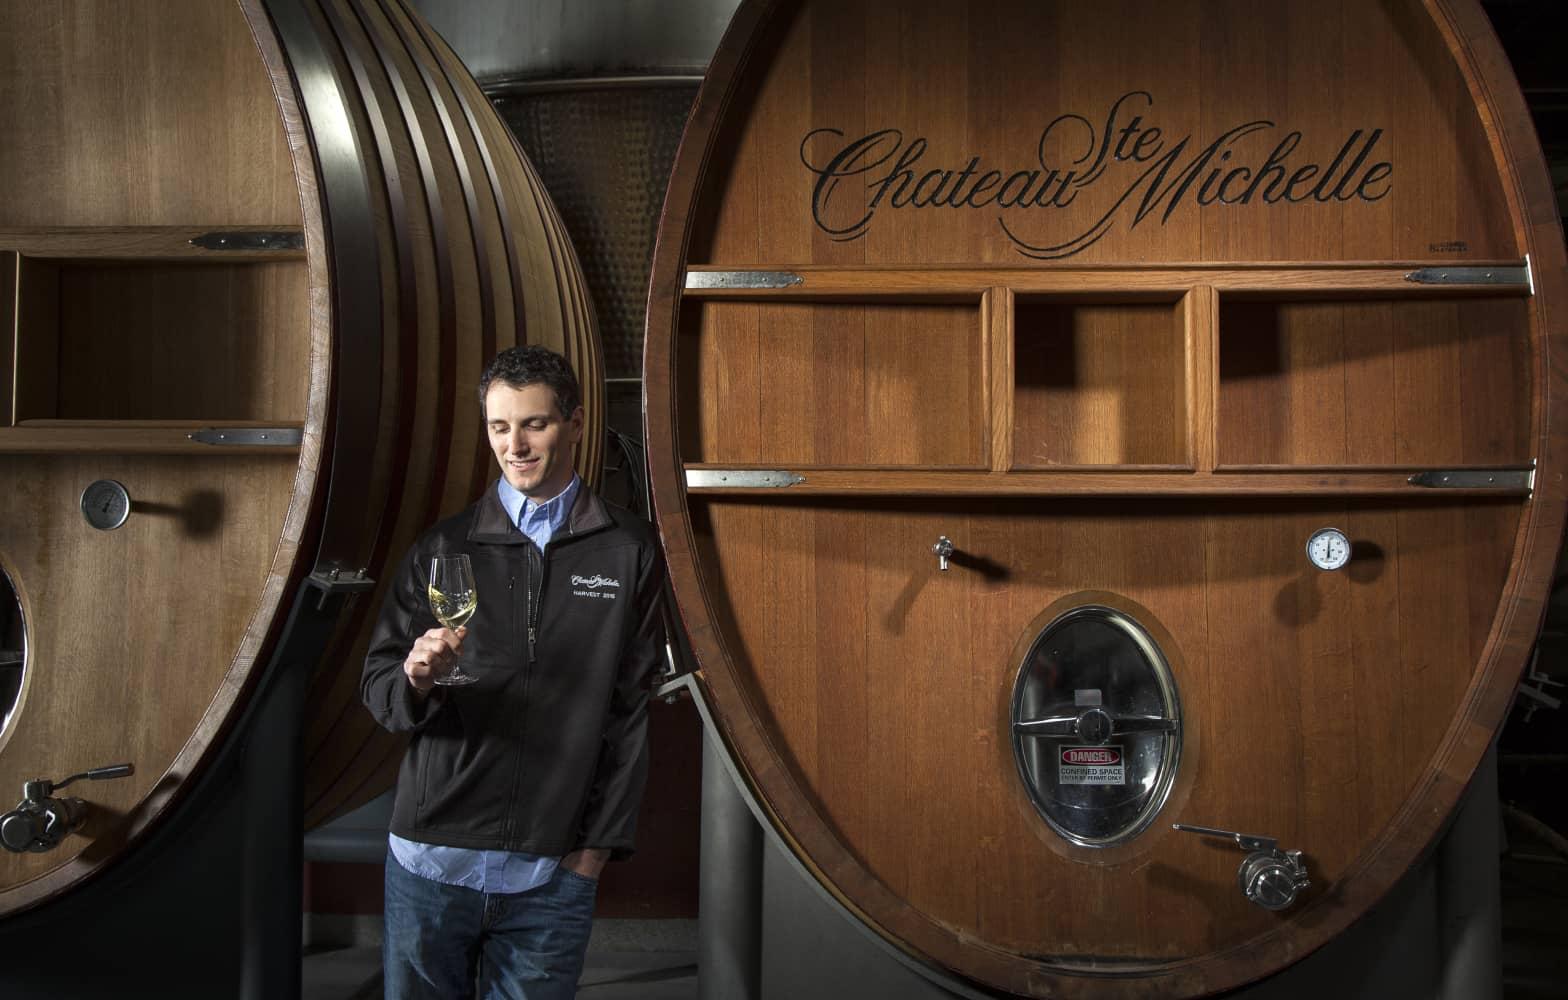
(1472,276)
(741,478)
(742,279)
(251,240)
(277,437)
(1475,479)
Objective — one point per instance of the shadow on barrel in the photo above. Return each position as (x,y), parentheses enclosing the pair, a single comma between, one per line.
(200,513)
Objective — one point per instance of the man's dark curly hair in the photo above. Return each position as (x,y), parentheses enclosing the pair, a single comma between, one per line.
(520,367)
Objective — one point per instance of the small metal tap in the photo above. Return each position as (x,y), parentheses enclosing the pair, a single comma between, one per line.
(1268,876)
(40,822)
(942,549)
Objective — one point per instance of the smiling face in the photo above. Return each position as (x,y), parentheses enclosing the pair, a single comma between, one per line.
(534,442)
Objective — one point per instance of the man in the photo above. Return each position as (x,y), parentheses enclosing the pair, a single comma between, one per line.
(516,789)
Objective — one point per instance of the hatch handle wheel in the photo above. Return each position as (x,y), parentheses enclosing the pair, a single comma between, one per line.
(1269,877)
(40,822)
(1094,724)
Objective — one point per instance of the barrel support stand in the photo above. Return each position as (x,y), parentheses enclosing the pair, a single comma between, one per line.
(729,908)
(273,774)
(1470,892)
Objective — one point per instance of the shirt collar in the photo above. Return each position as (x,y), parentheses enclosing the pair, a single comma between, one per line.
(555,510)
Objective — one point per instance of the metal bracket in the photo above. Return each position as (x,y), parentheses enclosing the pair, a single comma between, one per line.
(275,437)
(335,581)
(252,241)
(741,478)
(742,279)
(1476,479)
(670,690)
(1538,694)
(1473,276)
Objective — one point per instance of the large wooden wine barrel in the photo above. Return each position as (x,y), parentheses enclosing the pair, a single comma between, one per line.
(255,255)
(1118,305)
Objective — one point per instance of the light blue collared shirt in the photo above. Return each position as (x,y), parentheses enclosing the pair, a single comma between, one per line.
(495,871)
(539,521)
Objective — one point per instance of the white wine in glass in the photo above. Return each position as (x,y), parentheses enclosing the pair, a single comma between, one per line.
(453,600)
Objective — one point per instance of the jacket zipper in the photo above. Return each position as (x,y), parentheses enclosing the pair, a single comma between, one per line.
(535,597)
(509,830)
(511,601)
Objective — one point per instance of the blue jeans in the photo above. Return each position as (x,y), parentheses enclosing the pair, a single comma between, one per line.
(447,942)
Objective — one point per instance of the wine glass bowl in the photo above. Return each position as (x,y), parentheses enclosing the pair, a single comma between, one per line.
(453,600)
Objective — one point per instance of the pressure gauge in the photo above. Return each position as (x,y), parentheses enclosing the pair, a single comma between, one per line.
(105,504)
(1328,548)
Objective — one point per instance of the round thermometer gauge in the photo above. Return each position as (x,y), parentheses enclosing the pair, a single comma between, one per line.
(105,504)
(1328,548)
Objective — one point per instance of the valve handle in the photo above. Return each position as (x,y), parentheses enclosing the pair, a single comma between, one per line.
(96,774)
(1245,841)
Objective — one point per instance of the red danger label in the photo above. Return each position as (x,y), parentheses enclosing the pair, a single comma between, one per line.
(1099,756)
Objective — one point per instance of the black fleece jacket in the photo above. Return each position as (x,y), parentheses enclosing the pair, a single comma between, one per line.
(547,753)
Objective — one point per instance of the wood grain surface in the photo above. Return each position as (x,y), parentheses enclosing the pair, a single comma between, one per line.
(117,115)
(1099,385)
(1410,384)
(1186,231)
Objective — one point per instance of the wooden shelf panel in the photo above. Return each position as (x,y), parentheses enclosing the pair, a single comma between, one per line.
(209,339)
(134,437)
(1098,384)
(1168,481)
(140,243)
(1408,384)
(853,385)
(1167,283)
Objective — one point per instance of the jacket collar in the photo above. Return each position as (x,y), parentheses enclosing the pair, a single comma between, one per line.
(492,525)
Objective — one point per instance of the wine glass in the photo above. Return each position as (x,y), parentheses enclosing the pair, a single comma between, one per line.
(453,599)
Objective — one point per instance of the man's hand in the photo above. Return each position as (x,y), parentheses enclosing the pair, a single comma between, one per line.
(588,862)
(434,655)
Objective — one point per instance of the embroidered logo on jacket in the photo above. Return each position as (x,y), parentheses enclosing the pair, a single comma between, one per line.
(596,587)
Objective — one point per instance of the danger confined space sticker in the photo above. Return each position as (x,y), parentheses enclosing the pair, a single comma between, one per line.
(1092,766)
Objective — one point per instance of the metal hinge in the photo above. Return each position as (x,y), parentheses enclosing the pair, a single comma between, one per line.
(741,478)
(252,241)
(1474,276)
(742,279)
(1476,479)
(274,437)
